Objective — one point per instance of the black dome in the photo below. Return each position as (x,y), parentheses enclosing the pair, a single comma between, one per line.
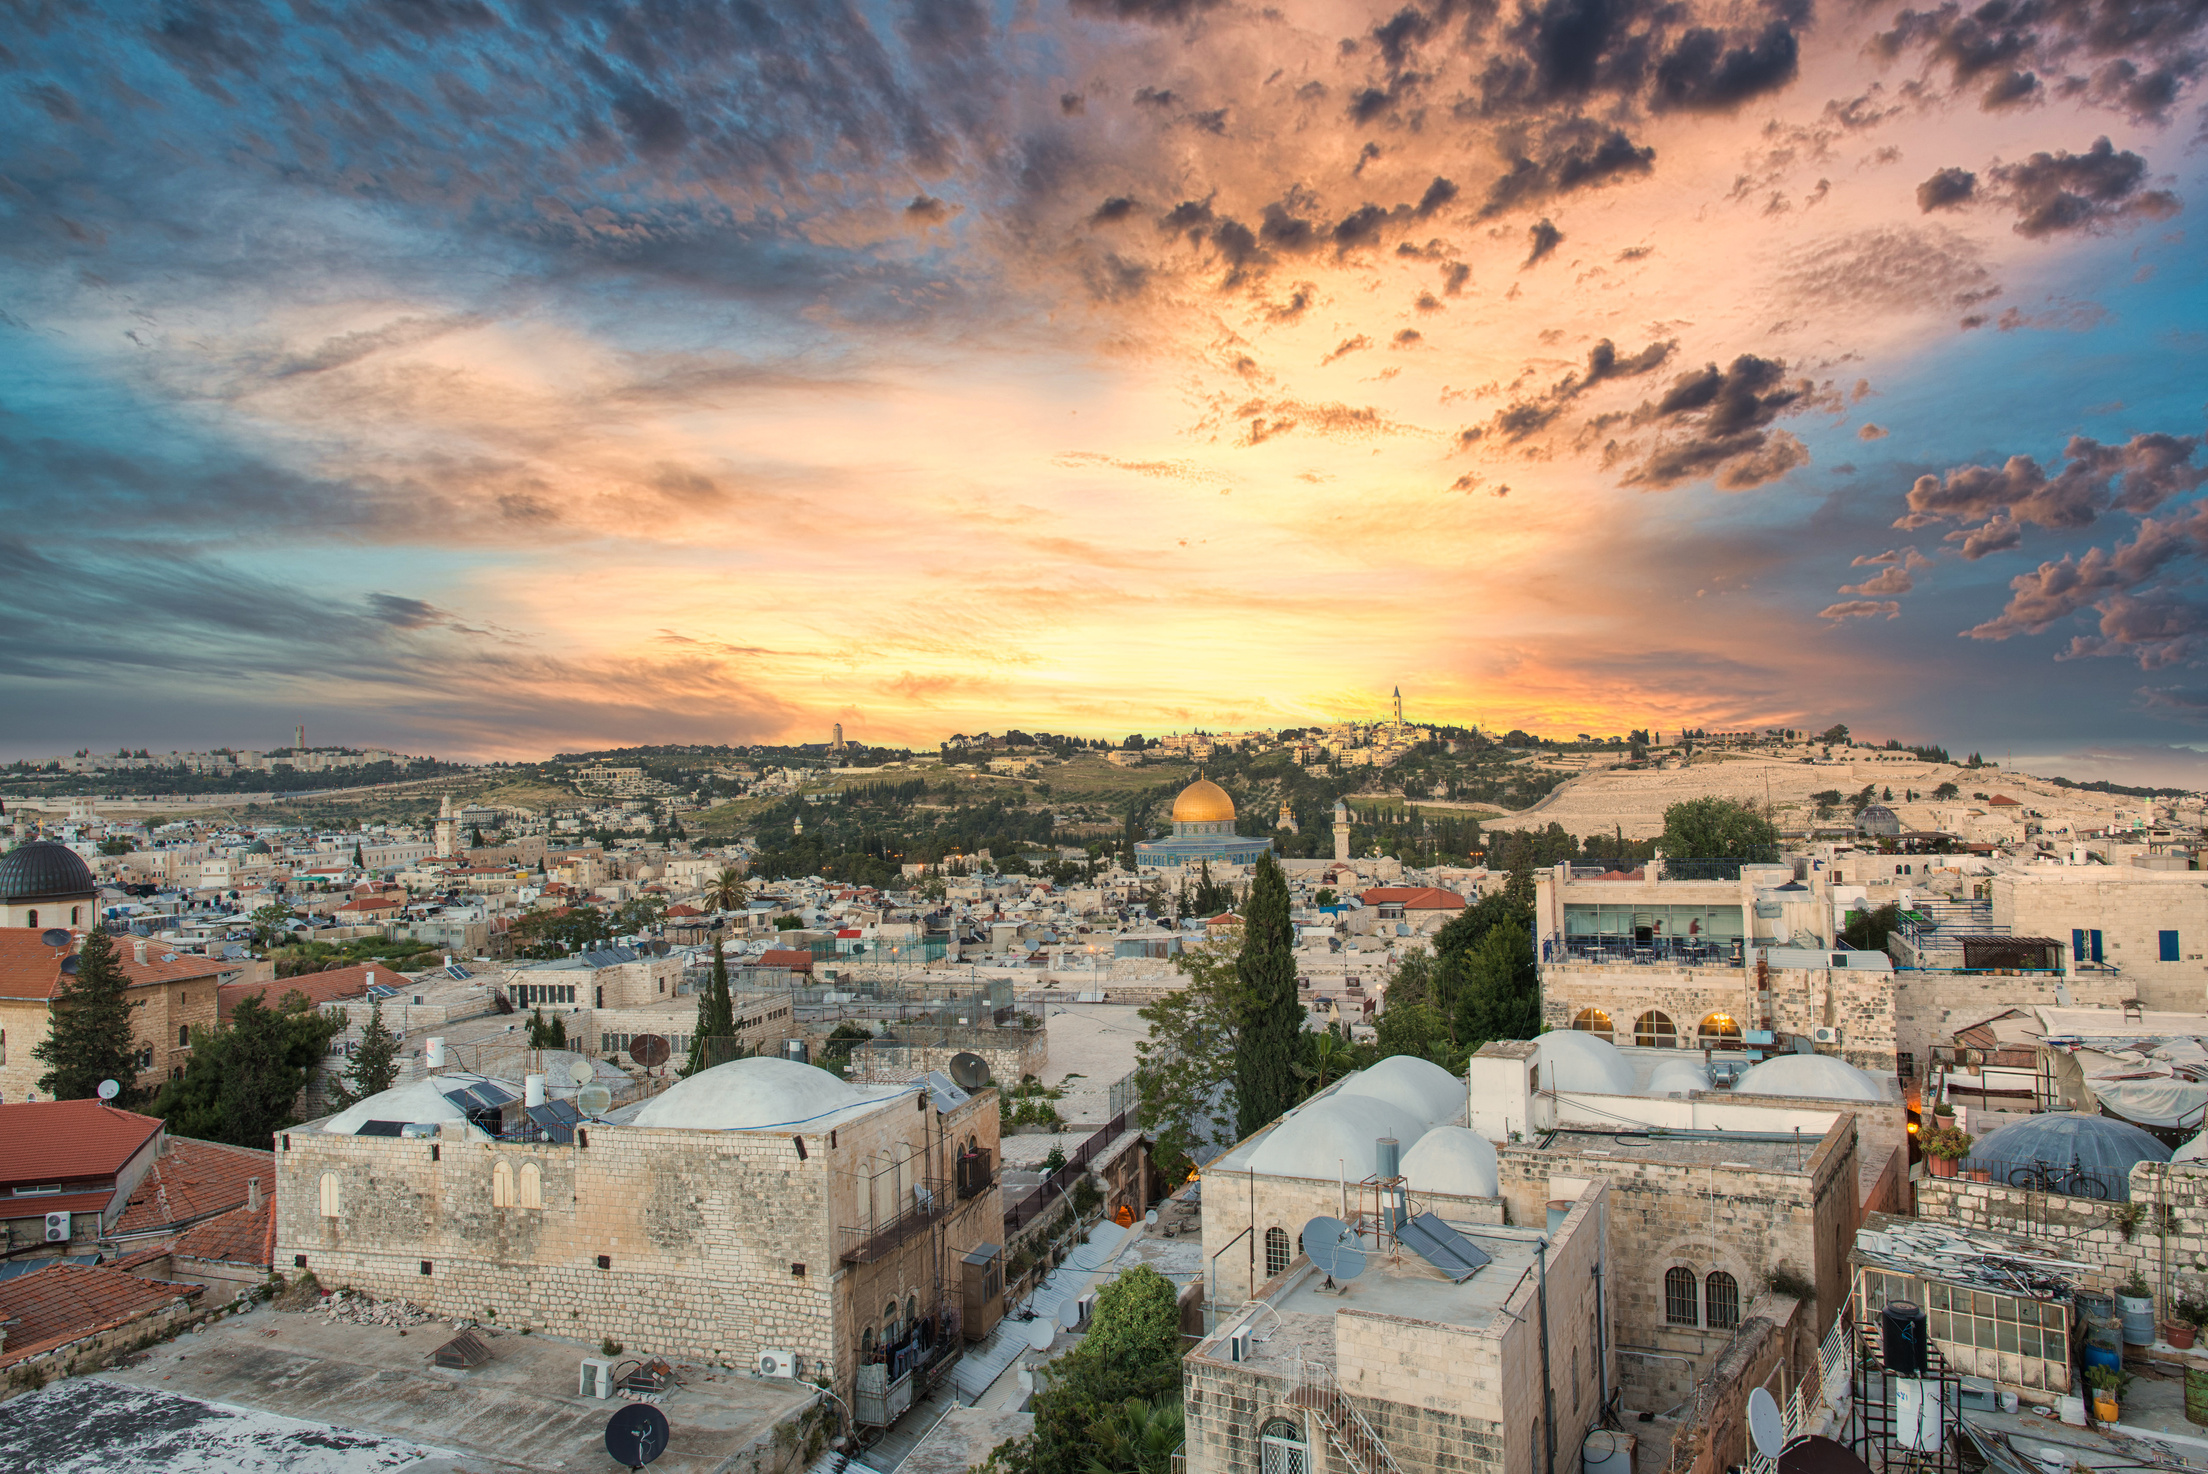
(43,870)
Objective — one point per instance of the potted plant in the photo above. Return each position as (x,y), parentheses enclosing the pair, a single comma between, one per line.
(2187,1315)
(1943,1147)
(2135,1303)
(2108,1392)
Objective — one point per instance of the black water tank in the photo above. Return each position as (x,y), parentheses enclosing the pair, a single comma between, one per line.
(1903,1326)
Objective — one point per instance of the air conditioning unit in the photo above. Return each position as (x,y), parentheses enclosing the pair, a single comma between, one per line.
(1085,1307)
(57,1228)
(1238,1345)
(778,1364)
(1828,1036)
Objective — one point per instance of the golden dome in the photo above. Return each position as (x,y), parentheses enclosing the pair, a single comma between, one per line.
(1203,802)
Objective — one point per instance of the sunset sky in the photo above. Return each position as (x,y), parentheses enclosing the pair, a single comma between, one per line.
(492,377)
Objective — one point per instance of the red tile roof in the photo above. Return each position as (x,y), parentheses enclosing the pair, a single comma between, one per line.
(39,1207)
(240,1236)
(68,1140)
(365,904)
(68,1302)
(2003,801)
(784,957)
(192,1179)
(31,969)
(320,987)
(683,910)
(1414,898)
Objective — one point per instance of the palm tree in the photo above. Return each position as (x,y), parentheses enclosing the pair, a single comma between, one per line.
(726,891)
(1331,1057)
(1137,1437)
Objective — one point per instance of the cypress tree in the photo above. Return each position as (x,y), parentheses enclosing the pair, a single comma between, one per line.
(1271,1015)
(375,1066)
(89,1038)
(716,1017)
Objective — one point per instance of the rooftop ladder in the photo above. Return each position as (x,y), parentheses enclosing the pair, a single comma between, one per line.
(1353,1438)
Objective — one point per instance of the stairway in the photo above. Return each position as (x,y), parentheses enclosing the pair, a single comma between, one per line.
(1346,1428)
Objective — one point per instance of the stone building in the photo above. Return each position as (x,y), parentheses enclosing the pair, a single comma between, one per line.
(2147,927)
(44,884)
(175,992)
(1203,832)
(1414,1364)
(761,1206)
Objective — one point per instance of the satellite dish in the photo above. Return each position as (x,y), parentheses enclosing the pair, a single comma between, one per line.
(969,1071)
(593,1099)
(54,936)
(69,965)
(1332,1245)
(582,1072)
(1069,1312)
(1040,1333)
(1150,1218)
(1817,1454)
(109,1090)
(648,1050)
(1766,1428)
(636,1435)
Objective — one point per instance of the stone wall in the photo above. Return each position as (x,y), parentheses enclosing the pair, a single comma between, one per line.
(2129,907)
(1234,1201)
(1748,1222)
(1930,1006)
(715,1245)
(1857,1002)
(1713,1432)
(1013,1054)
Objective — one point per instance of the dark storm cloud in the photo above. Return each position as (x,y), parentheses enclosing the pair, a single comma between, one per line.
(1703,74)
(2140,53)
(1571,53)
(1604,364)
(1113,210)
(1574,156)
(1715,422)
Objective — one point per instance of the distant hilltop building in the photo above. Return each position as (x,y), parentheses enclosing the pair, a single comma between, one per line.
(1203,829)
(837,744)
(1399,706)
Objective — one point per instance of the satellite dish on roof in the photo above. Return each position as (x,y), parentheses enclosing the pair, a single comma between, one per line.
(1069,1312)
(54,936)
(109,1090)
(69,965)
(648,1050)
(593,1099)
(1040,1333)
(636,1435)
(1766,1428)
(1332,1246)
(582,1072)
(969,1071)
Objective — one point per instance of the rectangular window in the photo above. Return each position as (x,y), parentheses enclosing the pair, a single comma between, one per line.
(2169,946)
(2077,944)
(2093,941)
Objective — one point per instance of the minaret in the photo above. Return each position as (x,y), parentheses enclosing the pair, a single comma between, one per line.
(837,745)
(1341,830)
(448,828)
(1399,706)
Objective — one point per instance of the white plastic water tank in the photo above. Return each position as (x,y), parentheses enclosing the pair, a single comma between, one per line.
(1917,1414)
(1607,1452)
(532,1090)
(436,1053)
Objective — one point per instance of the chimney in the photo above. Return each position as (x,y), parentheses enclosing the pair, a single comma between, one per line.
(138,950)
(253,1195)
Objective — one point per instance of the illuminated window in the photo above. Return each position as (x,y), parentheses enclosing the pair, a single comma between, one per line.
(1655,1031)
(1679,1297)
(1593,1021)
(1722,1295)
(1718,1031)
(1276,1251)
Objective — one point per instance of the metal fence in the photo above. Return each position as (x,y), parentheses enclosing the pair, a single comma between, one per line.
(2073,1180)
(1017,1215)
(1681,951)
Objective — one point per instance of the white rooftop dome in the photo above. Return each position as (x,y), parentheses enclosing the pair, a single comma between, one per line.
(1574,1060)
(2193,1150)
(1452,1160)
(1331,1136)
(419,1103)
(1816,1076)
(754,1095)
(1418,1086)
(1679,1075)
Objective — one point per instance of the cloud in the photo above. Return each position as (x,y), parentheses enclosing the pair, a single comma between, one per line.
(1114,210)
(1869,431)
(1949,189)
(1703,74)
(1542,239)
(2092,192)
(1346,347)
(1892,579)
(1861,609)
(2137,476)
(1573,156)
(1713,422)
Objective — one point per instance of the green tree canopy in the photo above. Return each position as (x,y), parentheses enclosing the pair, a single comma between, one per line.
(1269,1014)
(89,1038)
(714,1038)
(1184,1069)
(1717,829)
(1132,1351)
(243,1081)
(375,1066)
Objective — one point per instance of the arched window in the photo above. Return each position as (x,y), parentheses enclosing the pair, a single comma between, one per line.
(912,1310)
(331,1199)
(1276,1251)
(183,1035)
(1281,1449)
(1655,1031)
(890,1329)
(1722,1296)
(1679,1297)
(1718,1031)
(1593,1021)
(30,918)
(531,1185)
(76,915)
(502,1185)
(866,1342)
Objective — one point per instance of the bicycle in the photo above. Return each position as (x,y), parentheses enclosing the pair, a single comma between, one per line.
(2045,1177)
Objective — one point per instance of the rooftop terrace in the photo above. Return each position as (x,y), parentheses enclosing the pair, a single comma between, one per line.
(1714,1149)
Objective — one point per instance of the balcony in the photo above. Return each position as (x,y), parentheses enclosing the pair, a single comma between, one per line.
(928,1208)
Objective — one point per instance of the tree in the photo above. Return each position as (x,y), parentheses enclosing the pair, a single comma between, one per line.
(1502,989)
(1269,1014)
(1868,930)
(1184,1069)
(244,1078)
(639,915)
(1132,1350)
(557,933)
(89,1037)
(1325,897)
(361,864)
(726,890)
(269,922)
(375,1066)
(1946,791)
(1834,735)
(546,1033)
(1415,1029)
(1138,1437)
(1326,1057)
(715,1034)
(1717,829)
(1212,897)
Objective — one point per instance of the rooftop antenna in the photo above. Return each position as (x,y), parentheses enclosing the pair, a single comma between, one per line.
(636,1435)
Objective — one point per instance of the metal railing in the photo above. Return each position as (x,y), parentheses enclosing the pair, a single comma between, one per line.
(930,1203)
(1345,1427)
(1808,1401)
(2074,1180)
(1046,1192)
(1684,951)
